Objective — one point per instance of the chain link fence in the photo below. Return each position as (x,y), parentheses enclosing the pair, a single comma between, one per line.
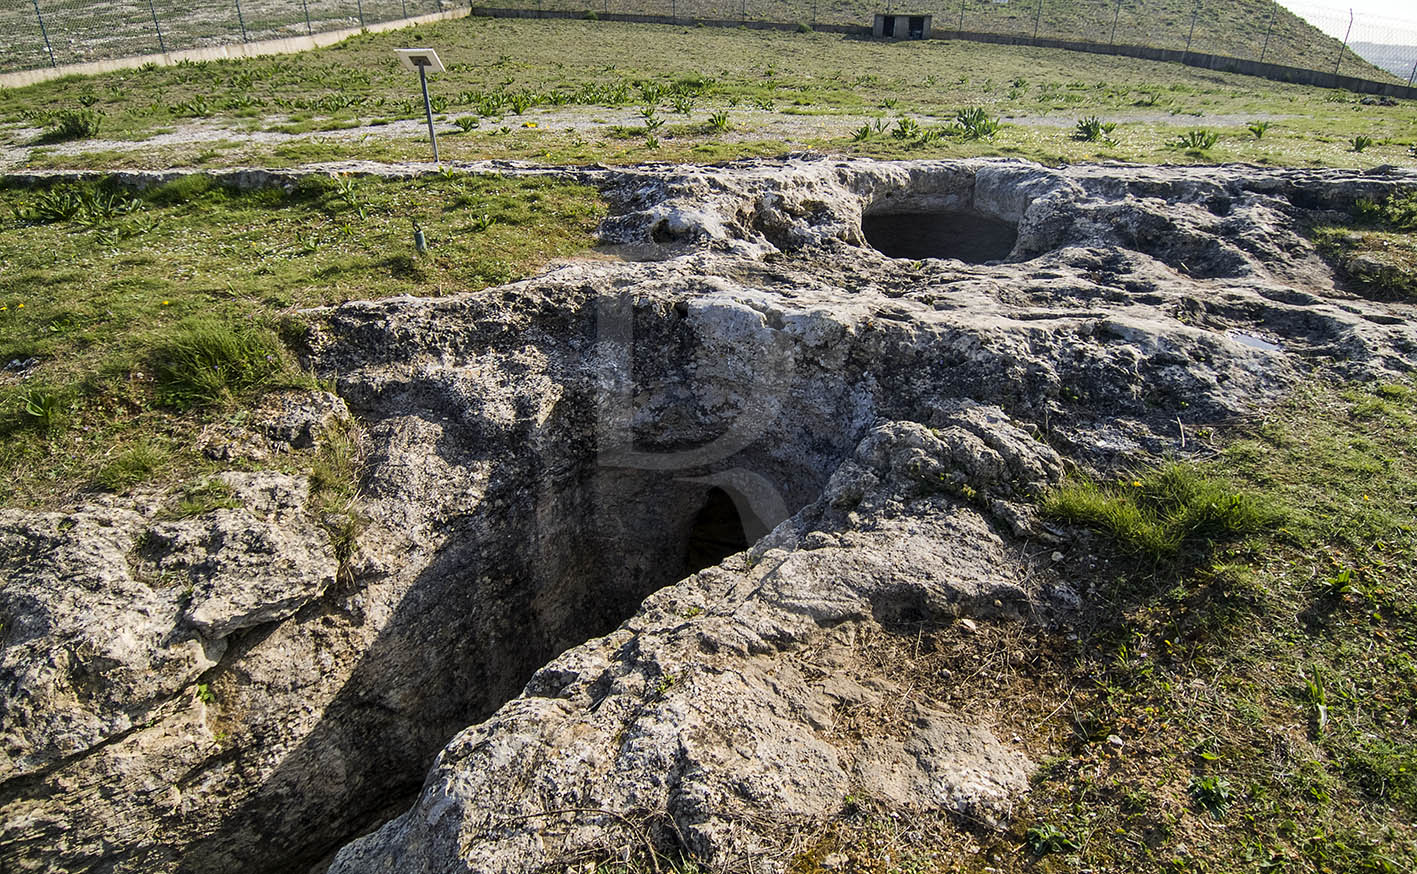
(39,33)
(44,33)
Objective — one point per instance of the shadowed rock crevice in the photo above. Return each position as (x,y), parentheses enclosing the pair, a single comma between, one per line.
(717,531)
(968,237)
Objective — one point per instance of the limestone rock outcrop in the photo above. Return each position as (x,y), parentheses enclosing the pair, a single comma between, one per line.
(630,526)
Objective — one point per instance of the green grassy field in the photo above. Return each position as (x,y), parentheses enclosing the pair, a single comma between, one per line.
(144,319)
(574,92)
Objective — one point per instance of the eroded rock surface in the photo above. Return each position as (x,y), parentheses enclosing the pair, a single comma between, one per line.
(547,466)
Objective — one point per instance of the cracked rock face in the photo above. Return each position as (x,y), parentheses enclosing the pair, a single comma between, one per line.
(631,525)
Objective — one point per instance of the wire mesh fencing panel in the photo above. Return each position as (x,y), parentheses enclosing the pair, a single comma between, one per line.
(23,45)
(41,33)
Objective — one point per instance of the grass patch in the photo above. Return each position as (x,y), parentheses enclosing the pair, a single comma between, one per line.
(131,466)
(1377,252)
(1156,512)
(204,361)
(142,324)
(334,492)
(204,496)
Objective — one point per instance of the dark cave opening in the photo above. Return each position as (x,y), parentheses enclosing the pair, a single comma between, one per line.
(717,532)
(965,236)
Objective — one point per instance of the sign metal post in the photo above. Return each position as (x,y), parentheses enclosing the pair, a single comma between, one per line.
(425,61)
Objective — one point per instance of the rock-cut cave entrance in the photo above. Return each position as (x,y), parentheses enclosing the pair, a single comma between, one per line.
(717,532)
(963,235)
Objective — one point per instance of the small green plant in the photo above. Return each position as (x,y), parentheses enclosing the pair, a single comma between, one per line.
(73,124)
(1092,130)
(41,406)
(1361,142)
(683,103)
(205,694)
(906,129)
(862,133)
(975,123)
(889,104)
(482,222)
(1257,128)
(334,491)
(804,27)
(1198,140)
(467,122)
(1047,838)
(520,102)
(1213,794)
(347,190)
(1316,695)
(651,142)
(197,107)
(85,206)
(719,122)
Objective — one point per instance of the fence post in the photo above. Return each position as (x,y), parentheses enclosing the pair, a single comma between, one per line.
(310,31)
(1190,36)
(405,7)
(360,6)
(241,20)
(1273,10)
(44,32)
(1413,77)
(1115,16)
(961,15)
(1343,48)
(1037,17)
(161,46)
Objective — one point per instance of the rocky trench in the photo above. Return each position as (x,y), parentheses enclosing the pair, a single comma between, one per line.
(628,525)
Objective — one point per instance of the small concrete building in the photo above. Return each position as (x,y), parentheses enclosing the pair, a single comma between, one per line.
(902,26)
